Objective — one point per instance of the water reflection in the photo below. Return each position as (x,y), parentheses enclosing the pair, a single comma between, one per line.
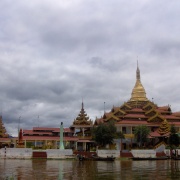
(71,169)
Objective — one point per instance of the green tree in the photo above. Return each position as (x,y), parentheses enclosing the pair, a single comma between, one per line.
(29,144)
(141,134)
(104,133)
(173,138)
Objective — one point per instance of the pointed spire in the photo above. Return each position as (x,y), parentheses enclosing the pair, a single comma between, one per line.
(138,72)
(82,105)
(82,117)
(3,132)
(138,92)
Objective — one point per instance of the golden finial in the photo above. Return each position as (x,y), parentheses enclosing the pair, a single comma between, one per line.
(138,92)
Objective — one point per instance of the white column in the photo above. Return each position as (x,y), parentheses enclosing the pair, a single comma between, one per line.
(121,128)
(76,145)
(84,146)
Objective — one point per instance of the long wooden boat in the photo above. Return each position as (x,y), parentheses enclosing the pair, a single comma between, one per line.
(95,158)
(149,158)
(175,157)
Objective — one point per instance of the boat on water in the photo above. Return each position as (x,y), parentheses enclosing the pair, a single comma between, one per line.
(149,158)
(95,158)
(175,157)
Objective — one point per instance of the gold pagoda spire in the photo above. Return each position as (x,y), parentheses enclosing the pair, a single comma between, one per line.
(138,92)
(82,118)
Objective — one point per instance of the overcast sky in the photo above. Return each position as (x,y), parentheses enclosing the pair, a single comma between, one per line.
(54,53)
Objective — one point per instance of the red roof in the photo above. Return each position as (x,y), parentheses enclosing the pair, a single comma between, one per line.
(46,130)
(156,134)
(131,122)
(135,122)
(5,139)
(136,110)
(27,131)
(32,132)
(170,117)
(135,115)
(164,108)
(176,114)
(85,140)
(43,138)
(174,123)
(65,130)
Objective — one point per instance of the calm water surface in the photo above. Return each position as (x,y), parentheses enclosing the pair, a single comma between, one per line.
(75,170)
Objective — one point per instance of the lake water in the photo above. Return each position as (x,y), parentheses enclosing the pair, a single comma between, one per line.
(89,170)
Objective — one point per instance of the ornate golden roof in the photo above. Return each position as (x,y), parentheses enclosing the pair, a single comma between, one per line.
(157,118)
(2,129)
(164,128)
(82,118)
(110,116)
(138,92)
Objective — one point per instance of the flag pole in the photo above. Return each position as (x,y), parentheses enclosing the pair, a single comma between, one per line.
(61,144)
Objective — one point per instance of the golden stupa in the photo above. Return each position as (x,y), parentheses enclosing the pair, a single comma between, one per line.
(138,92)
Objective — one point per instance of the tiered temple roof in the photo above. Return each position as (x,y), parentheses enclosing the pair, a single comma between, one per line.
(164,128)
(140,110)
(3,133)
(82,118)
(47,133)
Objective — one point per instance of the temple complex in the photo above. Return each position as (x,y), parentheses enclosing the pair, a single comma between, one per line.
(82,126)
(139,110)
(4,137)
(3,133)
(47,138)
(77,137)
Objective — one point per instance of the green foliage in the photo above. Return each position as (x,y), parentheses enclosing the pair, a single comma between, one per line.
(104,133)
(141,134)
(119,135)
(29,144)
(173,138)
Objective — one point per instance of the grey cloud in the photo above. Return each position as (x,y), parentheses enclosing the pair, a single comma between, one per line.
(54,54)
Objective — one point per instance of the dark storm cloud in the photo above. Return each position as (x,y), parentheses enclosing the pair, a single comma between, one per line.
(53,55)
